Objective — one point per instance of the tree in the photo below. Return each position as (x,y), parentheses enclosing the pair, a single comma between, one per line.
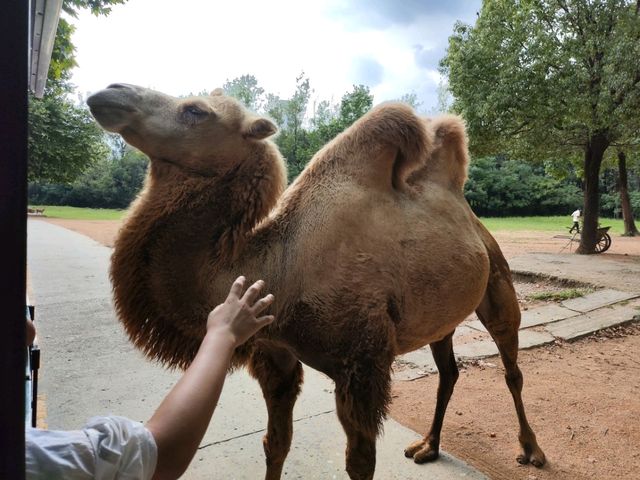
(290,116)
(301,137)
(97,7)
(106,183)
(498,186)
(245,89)
(353,105)
(411,99)
(63,60)
(549,78)
(63,139)
(630,229)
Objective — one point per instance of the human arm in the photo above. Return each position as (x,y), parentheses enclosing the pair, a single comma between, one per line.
(182,418)
(31,332)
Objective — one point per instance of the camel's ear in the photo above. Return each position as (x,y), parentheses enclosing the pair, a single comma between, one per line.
(217,91)
(260,128)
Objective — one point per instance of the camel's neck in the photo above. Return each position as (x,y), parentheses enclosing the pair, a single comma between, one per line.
(173,257)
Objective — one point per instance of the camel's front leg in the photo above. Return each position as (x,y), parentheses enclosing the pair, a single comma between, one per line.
(280,376)
(428,449)
(362,399)
(361,441)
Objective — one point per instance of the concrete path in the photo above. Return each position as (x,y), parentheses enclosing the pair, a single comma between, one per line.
(615,271)
(89,368)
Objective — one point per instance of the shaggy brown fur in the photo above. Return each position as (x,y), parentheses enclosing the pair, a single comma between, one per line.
(353,252)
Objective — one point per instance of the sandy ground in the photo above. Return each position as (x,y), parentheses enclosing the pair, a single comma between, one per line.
(582,398)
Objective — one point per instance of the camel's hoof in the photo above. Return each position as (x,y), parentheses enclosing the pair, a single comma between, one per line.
(426,455)
(537,458)
(421,452)
(416,446)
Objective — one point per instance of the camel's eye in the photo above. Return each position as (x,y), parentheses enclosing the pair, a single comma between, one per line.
(193,110)
(193,114)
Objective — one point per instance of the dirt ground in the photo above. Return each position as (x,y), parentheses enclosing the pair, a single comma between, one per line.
(582,398)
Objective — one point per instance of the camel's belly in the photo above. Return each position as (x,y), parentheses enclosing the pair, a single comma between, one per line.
(418,263)
(440,296)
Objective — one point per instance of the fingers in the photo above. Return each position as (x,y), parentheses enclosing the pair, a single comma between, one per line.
(263,303)
(264,321)
(251,295)
(237,287)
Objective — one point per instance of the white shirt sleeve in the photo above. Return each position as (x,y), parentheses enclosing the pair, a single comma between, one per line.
(107,448)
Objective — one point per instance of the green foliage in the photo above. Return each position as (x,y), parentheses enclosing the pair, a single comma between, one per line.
(610,204)
(301,135)
(411,99)
(355,104)
(544,79)
(290,114)
(245,89)
(500,187)
(108,183)
(541,78)
(330,122)
(63,60)
(63,140)
(97,7)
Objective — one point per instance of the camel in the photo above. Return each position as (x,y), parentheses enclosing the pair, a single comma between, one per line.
(371,252)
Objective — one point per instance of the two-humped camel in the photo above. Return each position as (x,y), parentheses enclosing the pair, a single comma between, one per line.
(372,252)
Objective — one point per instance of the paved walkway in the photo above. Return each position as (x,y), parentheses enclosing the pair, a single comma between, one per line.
(89,368)
(567,320)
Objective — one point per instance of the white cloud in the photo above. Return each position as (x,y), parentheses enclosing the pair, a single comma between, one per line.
(194,45)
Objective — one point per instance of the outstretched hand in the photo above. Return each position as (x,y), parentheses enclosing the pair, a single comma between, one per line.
(238,315)
(181,420)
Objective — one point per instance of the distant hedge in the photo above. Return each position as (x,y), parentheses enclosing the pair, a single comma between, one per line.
(499,187)
(496,188)
(110,183)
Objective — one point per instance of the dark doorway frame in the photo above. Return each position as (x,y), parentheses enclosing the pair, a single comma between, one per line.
(14,32)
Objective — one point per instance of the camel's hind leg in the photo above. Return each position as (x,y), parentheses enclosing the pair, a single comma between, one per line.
(500,314)
(428,449)
(280,376)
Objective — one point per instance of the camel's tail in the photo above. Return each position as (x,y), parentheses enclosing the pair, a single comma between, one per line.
(448,162)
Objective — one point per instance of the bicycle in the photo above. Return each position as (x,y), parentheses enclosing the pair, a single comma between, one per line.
(602,244)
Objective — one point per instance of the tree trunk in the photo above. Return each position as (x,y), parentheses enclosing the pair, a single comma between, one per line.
(630,229)
(594,151)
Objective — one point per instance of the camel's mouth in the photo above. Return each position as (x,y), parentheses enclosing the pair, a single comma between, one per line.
(111,109)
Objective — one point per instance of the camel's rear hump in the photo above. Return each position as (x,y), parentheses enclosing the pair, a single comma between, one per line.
(448,163)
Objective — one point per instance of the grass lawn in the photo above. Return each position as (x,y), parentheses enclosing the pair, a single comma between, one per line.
(545,224)
(76,213)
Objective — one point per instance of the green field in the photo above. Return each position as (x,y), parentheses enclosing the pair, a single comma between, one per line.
(544,224)
(76,213)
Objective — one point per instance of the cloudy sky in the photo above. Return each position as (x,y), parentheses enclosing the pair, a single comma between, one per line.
(183,46)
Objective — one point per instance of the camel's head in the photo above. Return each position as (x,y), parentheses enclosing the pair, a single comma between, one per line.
(205,135)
